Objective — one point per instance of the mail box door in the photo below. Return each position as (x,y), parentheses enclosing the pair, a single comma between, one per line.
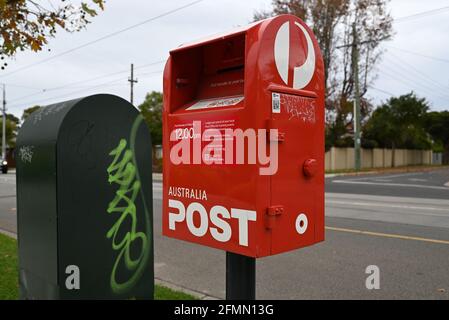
(298,181)
(295,98)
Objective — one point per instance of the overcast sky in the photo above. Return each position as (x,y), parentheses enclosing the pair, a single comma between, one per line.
(416,59)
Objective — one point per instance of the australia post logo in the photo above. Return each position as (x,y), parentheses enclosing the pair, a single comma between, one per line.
(288,52)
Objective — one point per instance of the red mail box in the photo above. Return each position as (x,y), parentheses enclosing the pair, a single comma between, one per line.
(243,140)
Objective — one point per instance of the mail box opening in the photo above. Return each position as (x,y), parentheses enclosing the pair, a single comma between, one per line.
(210,75)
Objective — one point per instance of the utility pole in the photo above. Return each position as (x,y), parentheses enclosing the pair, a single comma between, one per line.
(357,122)
(132,81)
(4,124)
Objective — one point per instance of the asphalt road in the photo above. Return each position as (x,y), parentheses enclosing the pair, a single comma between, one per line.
(8,217)
(398,222)
(429,185)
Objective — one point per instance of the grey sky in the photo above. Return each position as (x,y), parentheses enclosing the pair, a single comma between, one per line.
(399,72)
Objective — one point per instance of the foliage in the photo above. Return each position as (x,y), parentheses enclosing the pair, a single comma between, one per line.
(28,24)
(399,123)
(339,130)
(163,293)
(28,112)
(151,110)
(9,288)
(437,124)
(12,124)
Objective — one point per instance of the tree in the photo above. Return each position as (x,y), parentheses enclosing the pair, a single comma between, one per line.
(12,124)
(28,112)
(399,123)
(151,110)
(28,24)
(437,124)
(332,21)
(340,128)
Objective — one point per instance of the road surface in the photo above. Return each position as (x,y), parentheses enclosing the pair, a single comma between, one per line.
(397,222)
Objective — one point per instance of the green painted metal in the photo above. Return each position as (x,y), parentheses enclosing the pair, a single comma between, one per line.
(84,199)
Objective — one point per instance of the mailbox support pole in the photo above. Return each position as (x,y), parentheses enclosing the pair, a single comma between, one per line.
(240,277)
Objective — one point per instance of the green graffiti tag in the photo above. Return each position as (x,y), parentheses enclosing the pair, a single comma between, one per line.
(123,171)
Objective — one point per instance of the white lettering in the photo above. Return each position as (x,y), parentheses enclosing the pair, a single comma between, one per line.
(219,228)
(226,233)
(202,229)
(72,282)
(243,216)
(175,217)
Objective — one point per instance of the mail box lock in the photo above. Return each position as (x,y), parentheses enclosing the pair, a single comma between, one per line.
(310,167)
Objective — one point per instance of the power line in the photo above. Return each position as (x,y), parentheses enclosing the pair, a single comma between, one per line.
(108,75)
(382,91)
(421,14)
(23,87)
(419,54)
(104,37)
(68,94)
(84,81)
(423,75)
(417,78)
(146,74)
(426,82)
(404,19)
(112,82)
(410,83)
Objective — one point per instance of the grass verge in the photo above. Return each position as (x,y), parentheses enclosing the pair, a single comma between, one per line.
(9,287)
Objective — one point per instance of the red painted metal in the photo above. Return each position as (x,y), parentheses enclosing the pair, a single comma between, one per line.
(246,67)
(310,167)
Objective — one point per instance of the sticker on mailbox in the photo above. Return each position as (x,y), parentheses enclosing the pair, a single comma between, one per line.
(216,103)
(276,102)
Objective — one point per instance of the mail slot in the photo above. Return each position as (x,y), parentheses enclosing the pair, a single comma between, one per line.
(243,140)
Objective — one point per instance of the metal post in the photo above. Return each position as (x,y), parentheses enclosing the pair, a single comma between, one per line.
(4,124)
(132,81)
(357,122)
(240,277)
